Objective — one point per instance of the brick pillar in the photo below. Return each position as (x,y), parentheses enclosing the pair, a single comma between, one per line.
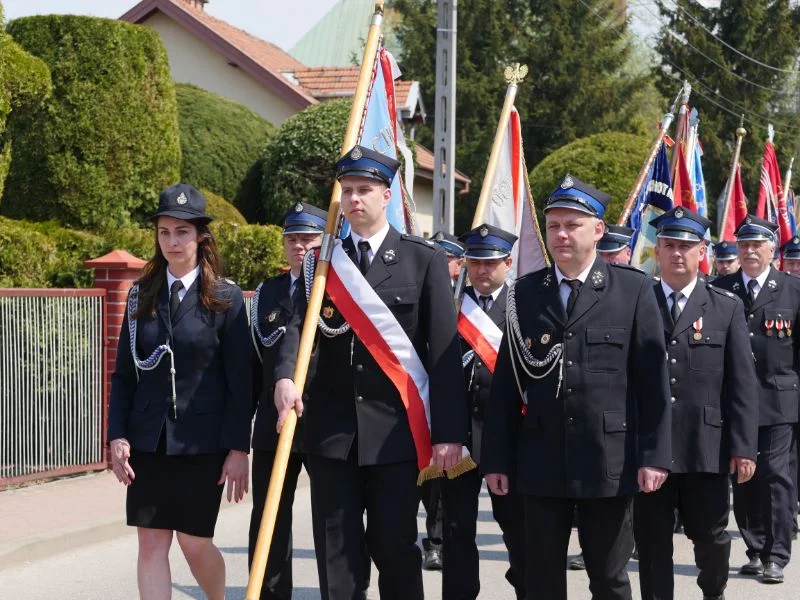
(115,273)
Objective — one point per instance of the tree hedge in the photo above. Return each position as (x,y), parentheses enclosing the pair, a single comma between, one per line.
(221,209)
(99,151)
(220,140)
(299,160)
(607,161)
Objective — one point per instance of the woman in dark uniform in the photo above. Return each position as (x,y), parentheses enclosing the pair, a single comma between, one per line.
(179,416)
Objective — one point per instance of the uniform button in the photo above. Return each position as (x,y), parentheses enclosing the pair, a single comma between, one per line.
(359,368)
(779,314)
(673,342)
(569,363)
(624,424)
(794,385)
(750,316)
(359,398)
(569,335)
(397,299)
(476,388)
(672,361)
(606,337)
(570,421)
(673,381)
(475,409)
(751,334)
(569,390)
(672,399)
(478,364)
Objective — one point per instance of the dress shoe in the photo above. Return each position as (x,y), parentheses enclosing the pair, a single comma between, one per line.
(576,564)
(432,558)
(772,573)
(753,567)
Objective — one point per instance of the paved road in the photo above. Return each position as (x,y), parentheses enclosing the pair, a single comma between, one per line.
(106,570)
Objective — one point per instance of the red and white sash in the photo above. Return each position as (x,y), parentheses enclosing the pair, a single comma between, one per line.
(475,326)
(387,342)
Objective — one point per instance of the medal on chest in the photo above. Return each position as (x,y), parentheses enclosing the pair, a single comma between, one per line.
(769,324)
(779,327)
(698,330)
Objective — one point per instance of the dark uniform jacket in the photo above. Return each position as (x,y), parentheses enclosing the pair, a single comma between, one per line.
(274,312)
(478,377)
(776,357)
(712,381)
(350,400)
(212,378)
(612,414)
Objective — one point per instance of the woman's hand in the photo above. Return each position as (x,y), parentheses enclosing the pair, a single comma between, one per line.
(120,453)
(236,469)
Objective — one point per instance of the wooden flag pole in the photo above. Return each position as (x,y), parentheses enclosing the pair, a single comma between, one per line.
(514,74)
(637,186)
(284,448)
(726,206)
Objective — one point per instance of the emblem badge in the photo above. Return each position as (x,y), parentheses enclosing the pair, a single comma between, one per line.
(679,213)
(796,240)
(439,237)
(567,183)
(748,220)
(544,340)
(547,279)
(272,316)
(598,277)
(484,231)
(388,255)
(736,286)
(772,284)
(528,342)
(723,245)
(697,336)
(182,199)
(328,312)
(356,153)
(298,207)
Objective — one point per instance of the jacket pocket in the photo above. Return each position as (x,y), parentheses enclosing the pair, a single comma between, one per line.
(403,302)
(605,349)
(615,434)
(712,416)
(707,353)
(785,382)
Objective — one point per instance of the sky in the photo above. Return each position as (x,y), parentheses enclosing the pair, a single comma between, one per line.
(277,21)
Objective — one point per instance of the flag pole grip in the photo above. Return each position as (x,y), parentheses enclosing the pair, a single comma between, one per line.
(283,450)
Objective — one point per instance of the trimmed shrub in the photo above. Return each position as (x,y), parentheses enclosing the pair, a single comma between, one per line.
(607,161)
(300,159)
(99,151)
(220,140)
(221,209)
(250,253)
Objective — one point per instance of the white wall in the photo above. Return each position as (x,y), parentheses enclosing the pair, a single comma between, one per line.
(423,198)
(193,61)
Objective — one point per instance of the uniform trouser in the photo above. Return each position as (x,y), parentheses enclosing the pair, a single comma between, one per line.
(278,575)
(794,470)
(340,493)
(703,502)
(606,536)
(762,505)
(460,575)
(431,495)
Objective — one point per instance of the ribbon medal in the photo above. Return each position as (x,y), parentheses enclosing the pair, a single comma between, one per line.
(789,327)
(768,325)
(698,330)
(779,326)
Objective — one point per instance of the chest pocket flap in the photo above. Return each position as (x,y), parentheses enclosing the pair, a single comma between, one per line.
(605,348)
(710,338)
(779,314)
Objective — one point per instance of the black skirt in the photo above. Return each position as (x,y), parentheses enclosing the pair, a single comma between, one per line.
(175,492)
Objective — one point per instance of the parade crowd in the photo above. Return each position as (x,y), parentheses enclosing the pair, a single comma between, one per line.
(619,404)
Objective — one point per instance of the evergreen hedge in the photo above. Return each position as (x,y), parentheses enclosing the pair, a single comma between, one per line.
(99,151)
(221,209)
(607,161)
(220,140)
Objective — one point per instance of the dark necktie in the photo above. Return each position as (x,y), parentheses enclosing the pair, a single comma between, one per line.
(485,300)
(751,291)
(574,289)
(363,256)
(676,306)
(174,299)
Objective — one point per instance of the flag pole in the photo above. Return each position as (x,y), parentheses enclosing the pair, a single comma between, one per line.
(740,133)
(284,447)
(514,74)
(787,179)
(637,186)
(683,116)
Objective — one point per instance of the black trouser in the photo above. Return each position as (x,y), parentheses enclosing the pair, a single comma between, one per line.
(460,575)
(794,471)
(763,505)
(430,493)
(606,536)
(703,502)
(340,493)
(278,575)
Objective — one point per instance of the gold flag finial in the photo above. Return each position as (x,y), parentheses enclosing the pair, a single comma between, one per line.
(514,74)
(379,6)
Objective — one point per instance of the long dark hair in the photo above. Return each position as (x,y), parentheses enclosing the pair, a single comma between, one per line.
(154,275)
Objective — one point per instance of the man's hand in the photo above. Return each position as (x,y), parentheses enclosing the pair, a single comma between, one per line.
(743,467)
(287,397)
(498,483)
(651,478)
(446,456)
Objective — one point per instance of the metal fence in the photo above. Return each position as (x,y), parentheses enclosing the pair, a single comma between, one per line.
(51,383)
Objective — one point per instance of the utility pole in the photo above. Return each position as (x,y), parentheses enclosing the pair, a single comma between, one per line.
(444,146)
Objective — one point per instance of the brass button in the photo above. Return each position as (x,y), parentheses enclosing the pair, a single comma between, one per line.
(359,398)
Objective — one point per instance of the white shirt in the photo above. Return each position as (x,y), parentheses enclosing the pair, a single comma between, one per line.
(687,291)
(493,297)
(760,280)
(564,290)
(187,280)
(374,242)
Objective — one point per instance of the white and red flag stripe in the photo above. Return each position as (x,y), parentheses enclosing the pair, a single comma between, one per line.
(386,341)
(481,333)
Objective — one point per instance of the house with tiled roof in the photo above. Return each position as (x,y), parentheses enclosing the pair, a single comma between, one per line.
(213,55)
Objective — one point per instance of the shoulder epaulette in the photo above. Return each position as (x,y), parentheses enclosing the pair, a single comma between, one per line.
(418,240)
(629,267)
(720,291)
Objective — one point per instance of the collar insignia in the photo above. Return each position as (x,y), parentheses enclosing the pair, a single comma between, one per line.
(771,284)
(389,256)
(328,312)
(548,279)
(598,278)
(736,286)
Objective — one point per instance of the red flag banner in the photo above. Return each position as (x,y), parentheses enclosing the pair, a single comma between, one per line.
(737,210)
